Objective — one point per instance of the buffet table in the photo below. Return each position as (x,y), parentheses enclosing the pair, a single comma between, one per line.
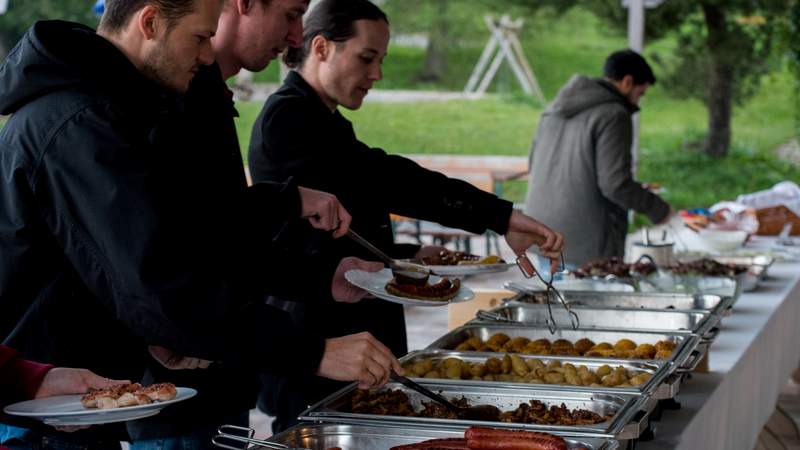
(753,357)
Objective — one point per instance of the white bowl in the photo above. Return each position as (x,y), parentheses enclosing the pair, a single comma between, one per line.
(721,240)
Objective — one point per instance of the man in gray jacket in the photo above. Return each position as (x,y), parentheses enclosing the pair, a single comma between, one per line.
(580,180)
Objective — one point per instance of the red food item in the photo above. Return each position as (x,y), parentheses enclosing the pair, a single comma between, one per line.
(436,444)
(482,438)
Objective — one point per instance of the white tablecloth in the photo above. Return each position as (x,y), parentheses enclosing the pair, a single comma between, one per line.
(753,357)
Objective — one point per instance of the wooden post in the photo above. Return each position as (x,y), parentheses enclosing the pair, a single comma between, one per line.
(636,43)
(488,51)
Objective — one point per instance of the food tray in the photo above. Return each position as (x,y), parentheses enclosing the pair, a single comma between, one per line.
(699,322)
(628,413)
(322,436)
(687,353)
(669,282)
(660,385)
(757,266)
(714,304)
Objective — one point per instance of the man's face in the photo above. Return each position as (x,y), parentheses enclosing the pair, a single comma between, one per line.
(174,56)
(637,92)
(353,66)
(265,32)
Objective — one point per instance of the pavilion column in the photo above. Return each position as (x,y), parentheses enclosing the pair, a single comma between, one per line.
(636,43)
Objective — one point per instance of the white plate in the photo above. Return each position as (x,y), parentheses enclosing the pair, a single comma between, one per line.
(68,410)
(72,421)
(469,269)
(375,284)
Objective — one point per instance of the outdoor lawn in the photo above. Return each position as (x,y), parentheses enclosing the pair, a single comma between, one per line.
(504,124)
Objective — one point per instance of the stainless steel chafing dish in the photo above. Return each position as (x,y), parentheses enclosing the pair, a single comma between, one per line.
(661,385)
(715,304)
(628,413)
(670,282)
(757,266)
(322,436)
(699,322)
(685,357)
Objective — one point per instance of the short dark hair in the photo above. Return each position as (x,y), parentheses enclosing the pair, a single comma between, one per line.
(118,12)
(333,20)
(628,62)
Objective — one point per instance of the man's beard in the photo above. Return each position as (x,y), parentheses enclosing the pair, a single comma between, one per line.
(158,66)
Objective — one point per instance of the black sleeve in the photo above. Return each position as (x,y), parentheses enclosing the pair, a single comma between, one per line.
(425,194)
(131,241)
(282,144)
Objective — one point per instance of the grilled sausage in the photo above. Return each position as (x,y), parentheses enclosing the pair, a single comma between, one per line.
(436,444)
(481,438)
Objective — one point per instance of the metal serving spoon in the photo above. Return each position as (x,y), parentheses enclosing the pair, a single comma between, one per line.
(487,413)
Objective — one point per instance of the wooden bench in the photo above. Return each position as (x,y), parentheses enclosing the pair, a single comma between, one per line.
(484,172)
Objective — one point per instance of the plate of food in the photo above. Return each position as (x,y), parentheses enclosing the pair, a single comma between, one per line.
(437,291)
(116,404)
(450,263)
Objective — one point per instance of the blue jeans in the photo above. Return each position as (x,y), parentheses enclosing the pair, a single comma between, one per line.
(194,441)
(197,439)
(17,438)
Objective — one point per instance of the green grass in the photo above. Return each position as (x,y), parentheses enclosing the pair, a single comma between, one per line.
(505,126)
(558,47)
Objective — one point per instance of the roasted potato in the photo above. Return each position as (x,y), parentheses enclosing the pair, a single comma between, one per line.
(422,367)
(583,345)
(498,339)
(477,369)
(518,365)
(505,364)
(433,374)
(625,344)
(534,363)
(494,366)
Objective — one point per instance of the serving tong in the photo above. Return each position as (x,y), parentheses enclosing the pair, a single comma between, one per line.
(404,272)
(225,432)
(529,271)
(487,413)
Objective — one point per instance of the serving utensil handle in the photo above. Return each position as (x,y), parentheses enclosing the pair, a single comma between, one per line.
(424,391)
(368,245)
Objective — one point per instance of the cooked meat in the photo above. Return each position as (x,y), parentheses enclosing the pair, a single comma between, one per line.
(397,403)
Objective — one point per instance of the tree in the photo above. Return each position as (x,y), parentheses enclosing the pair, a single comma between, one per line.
(791,42)
(726,44)
(435,57)
(22,14)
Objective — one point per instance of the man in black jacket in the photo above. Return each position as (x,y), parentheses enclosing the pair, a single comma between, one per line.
(343,48)
(105,248)
(250,34)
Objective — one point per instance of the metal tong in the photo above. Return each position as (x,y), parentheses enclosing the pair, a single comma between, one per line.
(407,271)
(489,413)
(529,271)
(225,433)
